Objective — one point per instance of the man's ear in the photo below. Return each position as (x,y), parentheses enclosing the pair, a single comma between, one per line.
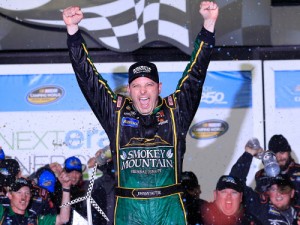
(159,87)
(8,194)
(215,195)
(293,193)
(241,196)
(128,90)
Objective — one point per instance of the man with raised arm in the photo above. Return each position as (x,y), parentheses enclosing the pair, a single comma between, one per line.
(146,132)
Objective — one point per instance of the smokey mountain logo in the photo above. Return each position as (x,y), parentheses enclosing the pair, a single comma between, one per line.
(169,154)
(157,140)
(45,95)
(208,129)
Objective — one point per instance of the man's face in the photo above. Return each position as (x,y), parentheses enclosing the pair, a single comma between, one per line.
(283,159)
(75,177)
(56,168)
(20,199)
(228,200)
(144,93)
(195,192)
(281,197)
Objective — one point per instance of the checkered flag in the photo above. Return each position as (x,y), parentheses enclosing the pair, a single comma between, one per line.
(89,199)
(126,26)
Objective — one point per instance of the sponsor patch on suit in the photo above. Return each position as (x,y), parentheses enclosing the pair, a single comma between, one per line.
(129,122)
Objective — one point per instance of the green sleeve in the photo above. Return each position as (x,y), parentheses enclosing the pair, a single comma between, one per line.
(47,219)
(1,211)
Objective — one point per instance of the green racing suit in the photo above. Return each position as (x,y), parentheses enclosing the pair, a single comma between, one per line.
(147,150)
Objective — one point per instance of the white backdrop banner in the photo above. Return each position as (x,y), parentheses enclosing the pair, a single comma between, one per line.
(44,117)
(282,101)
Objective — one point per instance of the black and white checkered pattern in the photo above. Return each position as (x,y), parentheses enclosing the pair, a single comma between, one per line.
(138,23)
(88,196)
(126,26)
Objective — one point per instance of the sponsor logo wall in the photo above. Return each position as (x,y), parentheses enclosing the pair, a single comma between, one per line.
(44,117)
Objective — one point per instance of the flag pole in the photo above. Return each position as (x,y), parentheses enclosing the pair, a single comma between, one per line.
(89,211)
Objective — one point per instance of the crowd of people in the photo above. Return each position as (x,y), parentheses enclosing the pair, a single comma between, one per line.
(37,198)
(274,200)
(30,201)
(142,181)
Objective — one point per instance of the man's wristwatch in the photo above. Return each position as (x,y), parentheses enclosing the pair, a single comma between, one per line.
(66,189)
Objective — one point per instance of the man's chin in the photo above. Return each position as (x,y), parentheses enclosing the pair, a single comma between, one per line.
(144,111)
(282,207)
(284,165)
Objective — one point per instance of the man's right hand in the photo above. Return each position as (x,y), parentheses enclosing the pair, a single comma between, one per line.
(209,11)
(72,17)
(253,151)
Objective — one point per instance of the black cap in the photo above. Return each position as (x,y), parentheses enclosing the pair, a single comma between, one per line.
(143,69)
(189,180)
(278,143)
(19,183)
(9,169)
(231,182)
(282,180)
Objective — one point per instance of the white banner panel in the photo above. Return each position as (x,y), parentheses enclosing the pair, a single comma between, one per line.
(233,94)
(44,117)
(282,101)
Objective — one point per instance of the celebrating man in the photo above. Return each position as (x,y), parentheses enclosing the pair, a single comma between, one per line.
(146,133)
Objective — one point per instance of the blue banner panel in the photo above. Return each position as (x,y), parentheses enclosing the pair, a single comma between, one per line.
(227,89)
(42,92)
(60,92)
(287,89)
(222,89)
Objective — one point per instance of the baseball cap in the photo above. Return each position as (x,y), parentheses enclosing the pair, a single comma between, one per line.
(73,163)
(19,183)
(2,155)
(189,180)
(282,180)
(231,182)
(143,69)
(9,169)
(278,143)
(46,179)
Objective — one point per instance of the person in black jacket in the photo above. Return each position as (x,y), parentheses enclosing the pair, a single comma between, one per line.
(104,186)
(191,197)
